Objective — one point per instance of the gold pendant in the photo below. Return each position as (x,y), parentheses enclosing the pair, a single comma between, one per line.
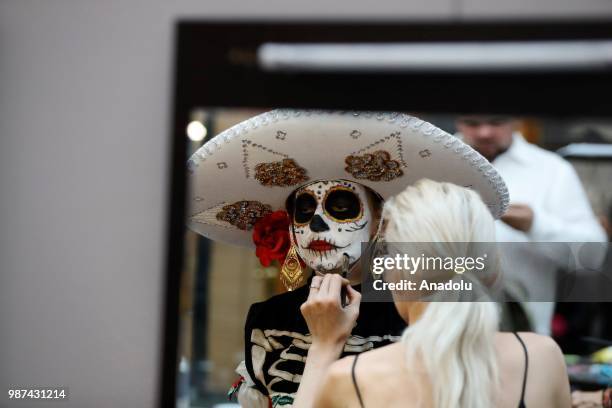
(291,271)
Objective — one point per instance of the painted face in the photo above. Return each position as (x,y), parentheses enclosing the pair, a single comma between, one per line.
(331,218)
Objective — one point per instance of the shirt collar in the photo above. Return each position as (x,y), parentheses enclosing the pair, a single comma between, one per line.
(516,151)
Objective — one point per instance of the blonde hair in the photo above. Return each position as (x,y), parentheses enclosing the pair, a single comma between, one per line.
(453,340)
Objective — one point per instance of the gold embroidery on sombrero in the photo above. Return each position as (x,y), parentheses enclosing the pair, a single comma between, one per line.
(282,173)
(399,149)
(208,216)
(243,214)
(377,166)
(248,144)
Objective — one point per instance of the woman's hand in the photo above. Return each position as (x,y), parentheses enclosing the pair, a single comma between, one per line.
(329,323)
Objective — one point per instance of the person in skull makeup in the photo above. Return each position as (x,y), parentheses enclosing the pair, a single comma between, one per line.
(312,210)
(330,220)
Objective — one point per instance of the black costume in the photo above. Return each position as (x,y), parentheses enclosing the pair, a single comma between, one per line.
(277,340)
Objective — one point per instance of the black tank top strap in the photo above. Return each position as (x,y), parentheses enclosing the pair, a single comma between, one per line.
(355,381)
(522,401)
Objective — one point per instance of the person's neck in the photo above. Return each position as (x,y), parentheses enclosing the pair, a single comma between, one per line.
(499,152)
(354,275)
(415,311)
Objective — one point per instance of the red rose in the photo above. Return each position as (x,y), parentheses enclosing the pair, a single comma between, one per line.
(271,237)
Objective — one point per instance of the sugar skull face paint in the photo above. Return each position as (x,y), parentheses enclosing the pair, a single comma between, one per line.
(331,218)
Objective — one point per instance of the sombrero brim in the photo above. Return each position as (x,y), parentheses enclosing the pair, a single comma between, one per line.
(250,169)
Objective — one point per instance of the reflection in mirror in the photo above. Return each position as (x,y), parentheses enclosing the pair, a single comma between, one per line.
(221,281)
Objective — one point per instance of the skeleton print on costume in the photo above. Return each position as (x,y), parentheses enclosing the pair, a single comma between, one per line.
(279,357)
(277,340)
(331,218)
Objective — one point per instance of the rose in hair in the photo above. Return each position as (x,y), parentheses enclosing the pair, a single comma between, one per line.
(271,237)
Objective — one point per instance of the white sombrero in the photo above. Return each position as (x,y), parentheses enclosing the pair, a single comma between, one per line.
(250,169)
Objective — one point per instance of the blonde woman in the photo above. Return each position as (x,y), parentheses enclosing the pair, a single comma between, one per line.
(451,355)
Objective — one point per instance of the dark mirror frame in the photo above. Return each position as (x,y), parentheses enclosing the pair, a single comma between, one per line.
(215,66)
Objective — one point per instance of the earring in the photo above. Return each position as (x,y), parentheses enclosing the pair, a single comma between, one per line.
(291,271)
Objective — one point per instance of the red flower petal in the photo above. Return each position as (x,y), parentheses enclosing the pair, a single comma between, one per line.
(271,237)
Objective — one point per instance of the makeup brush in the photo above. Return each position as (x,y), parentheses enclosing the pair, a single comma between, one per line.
(344,274)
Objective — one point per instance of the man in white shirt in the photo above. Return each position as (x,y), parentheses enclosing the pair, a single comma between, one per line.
(547,204)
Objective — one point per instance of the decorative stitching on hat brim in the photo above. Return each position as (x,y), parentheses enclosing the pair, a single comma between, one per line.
(475,159)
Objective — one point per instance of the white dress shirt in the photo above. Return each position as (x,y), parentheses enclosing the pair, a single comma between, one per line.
(562,213)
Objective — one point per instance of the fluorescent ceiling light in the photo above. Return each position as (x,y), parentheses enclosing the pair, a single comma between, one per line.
(438,57)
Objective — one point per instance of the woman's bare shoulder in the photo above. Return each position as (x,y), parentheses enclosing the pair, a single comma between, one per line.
(541,344)
(542,351)
(531,340)
(389,351)
(337,383)
(339,373)
(373,358)
(341,367)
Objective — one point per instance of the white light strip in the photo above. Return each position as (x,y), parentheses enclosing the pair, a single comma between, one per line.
(438,57)
(586,150)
